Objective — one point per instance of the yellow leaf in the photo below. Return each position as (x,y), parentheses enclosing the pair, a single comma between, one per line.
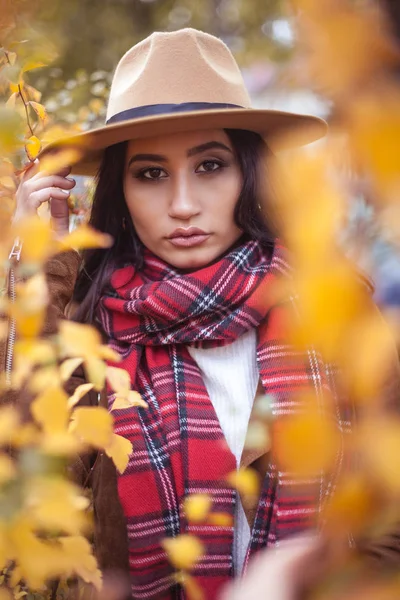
(220,519)
(7,469)
(380,443)
(95,370)
(78,340)
(245,481)
(351,506)
(183,551)
(11,101)
(80,560)
(57,504)
(107,353)
(94,425)
(193,591)
(47,376)
(5,594)
(50,410)
(9,421)
(305,443)
(14,88)
(119,451)
(62,443)
(79,393)
(40,111)
(32,64)
(33,147)
(33,93)
(119,380)
(53,162)
(26,435)
(37,352)
(86,237)
(7,182)
(38,239)
(132,399)
(197,507)
(68,367)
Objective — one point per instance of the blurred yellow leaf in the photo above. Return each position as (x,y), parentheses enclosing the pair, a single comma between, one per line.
(193,590)
(32,64)
(55,161)
(220,519)
(119,380)
(245,481)
(11,101)
(305,443)
(351,507)
(68,367)
(7,468)
(128,401)
(380,443)
(183,551)
(86,237)
(79,393)
(33,147)
(107,353)
(40,111)
(38,239)
(94,425)
(95,370)
(78,340)
(33,93)
(50,410)
(119,450)
(47,376)
(57,505)
(374,127)
(7,182)
(9,421)
(197,507)
(26,435)
(12,130)
(78,556)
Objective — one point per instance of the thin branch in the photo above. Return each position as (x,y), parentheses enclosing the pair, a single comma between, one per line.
(21,96)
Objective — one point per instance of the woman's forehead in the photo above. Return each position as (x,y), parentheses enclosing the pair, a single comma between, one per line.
(184,140)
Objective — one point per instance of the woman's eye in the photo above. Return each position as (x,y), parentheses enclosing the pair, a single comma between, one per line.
(153,173)
(209,166)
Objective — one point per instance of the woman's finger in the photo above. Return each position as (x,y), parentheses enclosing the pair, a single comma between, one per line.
(38,183)
(40,196)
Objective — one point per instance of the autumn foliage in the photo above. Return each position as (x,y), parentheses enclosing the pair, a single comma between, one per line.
(347,50)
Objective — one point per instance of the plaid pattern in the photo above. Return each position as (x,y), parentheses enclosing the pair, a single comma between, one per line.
(178,445)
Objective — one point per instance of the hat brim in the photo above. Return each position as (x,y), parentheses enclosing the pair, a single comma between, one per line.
(282,130)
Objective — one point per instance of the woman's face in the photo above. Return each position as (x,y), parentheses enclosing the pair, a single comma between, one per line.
(181,191)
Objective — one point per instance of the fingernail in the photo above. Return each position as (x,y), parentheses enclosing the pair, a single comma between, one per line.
(65,191)
(71,179)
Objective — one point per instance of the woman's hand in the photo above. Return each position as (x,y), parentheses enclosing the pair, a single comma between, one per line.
(37,187)
(277,573)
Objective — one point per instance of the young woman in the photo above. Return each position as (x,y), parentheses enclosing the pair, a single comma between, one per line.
(184,295)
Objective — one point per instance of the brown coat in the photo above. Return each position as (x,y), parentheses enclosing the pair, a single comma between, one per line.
(98,472)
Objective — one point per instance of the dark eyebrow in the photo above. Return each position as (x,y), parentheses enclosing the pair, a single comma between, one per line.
(147,157)
(208,146)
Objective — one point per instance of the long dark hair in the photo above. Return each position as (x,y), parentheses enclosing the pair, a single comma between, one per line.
(110,215)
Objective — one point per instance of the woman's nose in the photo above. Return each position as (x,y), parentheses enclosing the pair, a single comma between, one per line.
(184,203)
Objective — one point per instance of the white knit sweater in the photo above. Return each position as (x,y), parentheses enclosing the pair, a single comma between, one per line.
(230,375)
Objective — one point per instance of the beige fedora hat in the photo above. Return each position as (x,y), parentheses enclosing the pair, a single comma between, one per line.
(181,81)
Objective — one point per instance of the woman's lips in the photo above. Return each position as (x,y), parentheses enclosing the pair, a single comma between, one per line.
(188,241)
(188,237)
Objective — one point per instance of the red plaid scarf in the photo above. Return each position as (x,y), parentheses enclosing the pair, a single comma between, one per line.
(178,445)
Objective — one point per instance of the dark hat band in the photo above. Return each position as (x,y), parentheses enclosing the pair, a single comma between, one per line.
(165,109)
